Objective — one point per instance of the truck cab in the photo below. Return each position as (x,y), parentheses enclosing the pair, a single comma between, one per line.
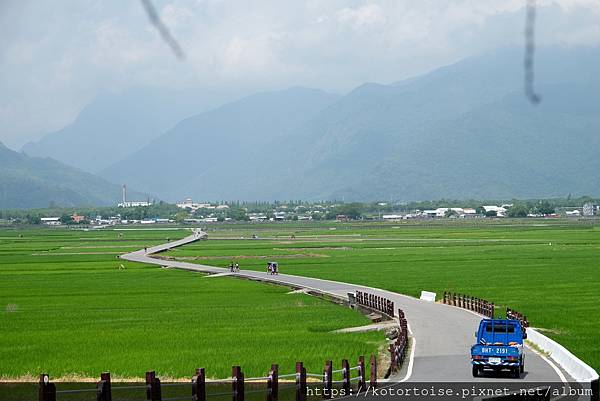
(499,346)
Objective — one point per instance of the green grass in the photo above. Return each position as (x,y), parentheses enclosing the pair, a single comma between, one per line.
(69,311)
(547,269)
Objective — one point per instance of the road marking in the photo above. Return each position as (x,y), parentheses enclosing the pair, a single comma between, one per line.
(553,366)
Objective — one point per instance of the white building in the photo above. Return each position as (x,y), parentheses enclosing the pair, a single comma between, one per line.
(500,211)
(134,204)
(193,206)
(573,213)
(429,213)
(279,215)
(589,209)
(257,216)
(51,221)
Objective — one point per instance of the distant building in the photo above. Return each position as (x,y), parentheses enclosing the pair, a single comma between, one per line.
(51,221)
(429,213)
(134,204)
(589,209)
(500,210)
(573,213)
(77,218)
(127,203)
(193,206)
(257,216)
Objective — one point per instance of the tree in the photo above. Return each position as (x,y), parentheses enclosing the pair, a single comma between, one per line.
(351,210)
(238,214)
(181,216)
(66,219)
(545,208)
(518,210)
(491,213)
(33,219)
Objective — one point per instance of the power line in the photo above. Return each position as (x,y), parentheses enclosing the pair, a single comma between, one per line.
(533,97)
(162,29)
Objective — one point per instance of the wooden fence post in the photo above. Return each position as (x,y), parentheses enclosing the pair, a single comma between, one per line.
(273,383)
(327,379)
(199,385)
(237,383)
(373,378)
(492,310)
(300,382)
(153,390)
(346,376)
(104,387)
(46,390)
(362,381)
(393,359)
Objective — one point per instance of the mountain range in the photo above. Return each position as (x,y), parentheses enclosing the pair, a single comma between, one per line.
(35,182)
(116,124)
(460,131)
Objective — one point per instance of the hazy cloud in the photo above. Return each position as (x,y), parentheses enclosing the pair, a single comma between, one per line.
(56,56)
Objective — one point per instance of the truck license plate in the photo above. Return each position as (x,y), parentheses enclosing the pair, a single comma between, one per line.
(495,360)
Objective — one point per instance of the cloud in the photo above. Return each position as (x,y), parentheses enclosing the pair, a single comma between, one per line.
(55,56)
(369,14)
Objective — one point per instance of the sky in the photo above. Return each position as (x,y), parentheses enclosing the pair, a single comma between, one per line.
(56,56)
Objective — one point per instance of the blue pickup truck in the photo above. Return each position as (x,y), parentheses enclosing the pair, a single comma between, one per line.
(499,346)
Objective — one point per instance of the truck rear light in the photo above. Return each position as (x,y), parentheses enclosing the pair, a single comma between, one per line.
(477,357)
(512,358)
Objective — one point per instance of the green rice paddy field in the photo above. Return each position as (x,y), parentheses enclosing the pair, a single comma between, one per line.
(67,309)
(547,269)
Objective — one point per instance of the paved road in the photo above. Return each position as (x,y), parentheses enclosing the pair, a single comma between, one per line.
(442,334)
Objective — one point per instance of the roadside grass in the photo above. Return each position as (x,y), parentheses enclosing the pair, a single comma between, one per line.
(549,270)
(77,315)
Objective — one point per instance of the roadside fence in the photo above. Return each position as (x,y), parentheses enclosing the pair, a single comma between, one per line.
(352,377)
(375,302)
(513,314)
(399,347)
(481,306)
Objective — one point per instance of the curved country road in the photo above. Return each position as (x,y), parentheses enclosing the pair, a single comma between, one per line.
(442,334)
